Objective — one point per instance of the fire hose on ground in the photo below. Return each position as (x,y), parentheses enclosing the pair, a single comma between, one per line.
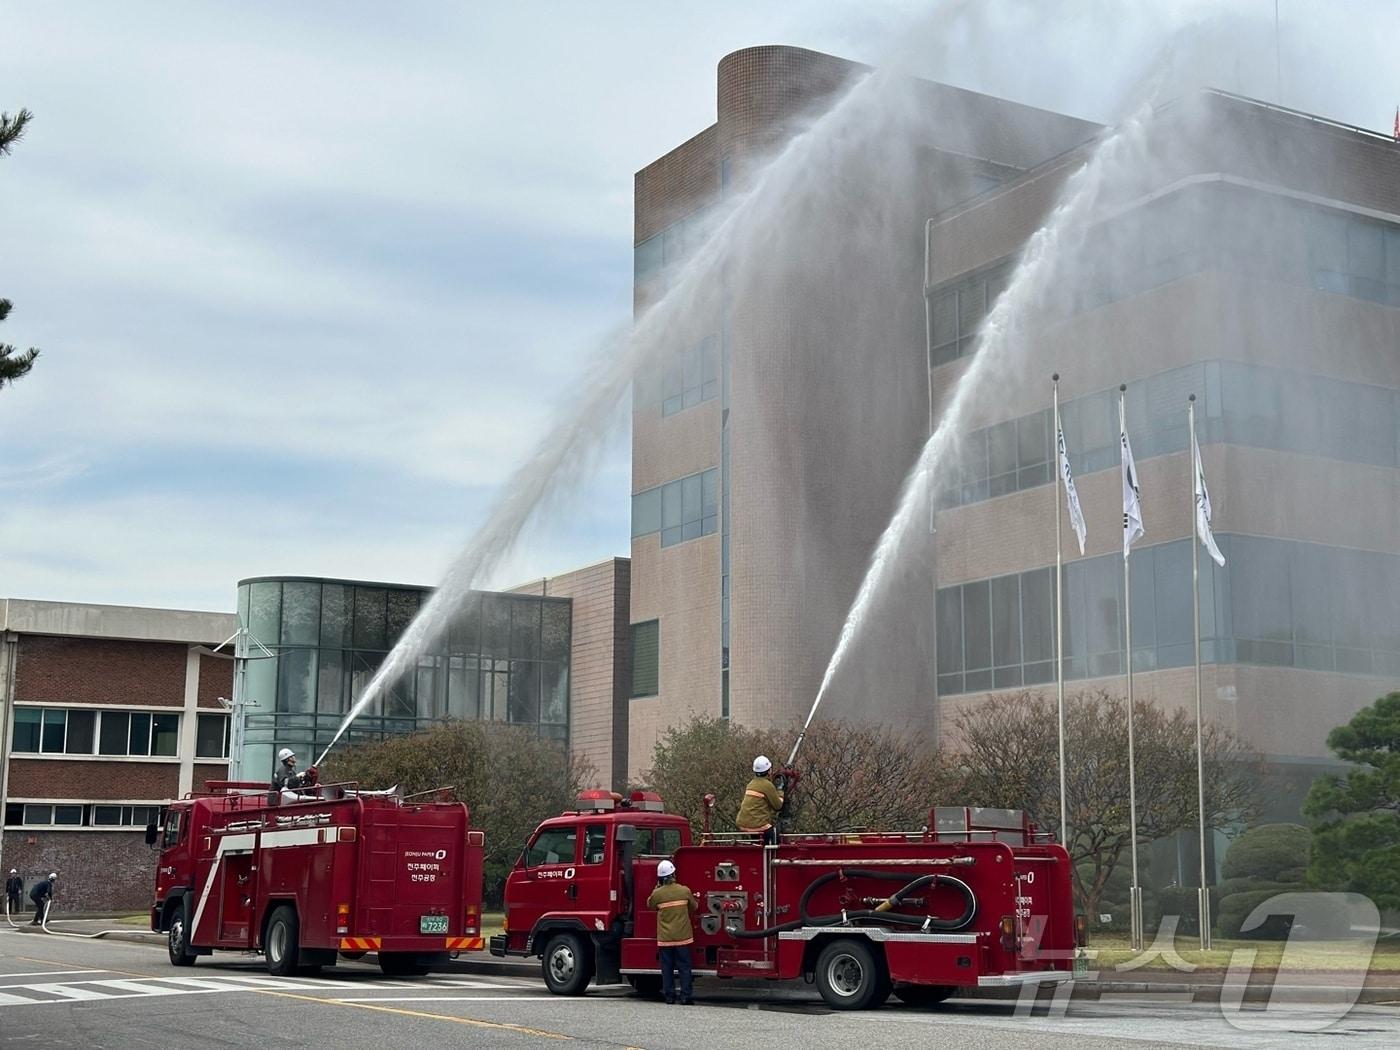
(882,913)
(43,924)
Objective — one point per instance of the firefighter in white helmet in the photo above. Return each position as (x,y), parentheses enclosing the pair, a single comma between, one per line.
(674,935)
(762,802)
(287,778)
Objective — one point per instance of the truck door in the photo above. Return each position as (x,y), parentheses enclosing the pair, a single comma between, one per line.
(546,872)
(595,876)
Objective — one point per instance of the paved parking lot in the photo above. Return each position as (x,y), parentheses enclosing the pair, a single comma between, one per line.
(56,991)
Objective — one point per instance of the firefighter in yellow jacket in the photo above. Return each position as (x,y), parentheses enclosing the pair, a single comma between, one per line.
(762,802)
(674,936)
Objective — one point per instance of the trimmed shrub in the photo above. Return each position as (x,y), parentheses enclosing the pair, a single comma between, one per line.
(1237,907)
(1270,851)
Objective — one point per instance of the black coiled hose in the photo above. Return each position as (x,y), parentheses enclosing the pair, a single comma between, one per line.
(888,918)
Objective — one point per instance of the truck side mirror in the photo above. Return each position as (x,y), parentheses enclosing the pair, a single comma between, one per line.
(151,833)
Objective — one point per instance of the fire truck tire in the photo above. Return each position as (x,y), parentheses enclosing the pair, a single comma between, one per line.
(281,943)
(647,985)
(177,938)
(567,964)
(923,994)
(850,976)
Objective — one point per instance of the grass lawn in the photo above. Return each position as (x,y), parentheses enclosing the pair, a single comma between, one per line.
(1112,949)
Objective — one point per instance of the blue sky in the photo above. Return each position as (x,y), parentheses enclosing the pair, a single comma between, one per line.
(309,277)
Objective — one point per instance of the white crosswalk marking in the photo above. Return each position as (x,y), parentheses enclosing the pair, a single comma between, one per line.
(75,989)
(68,991)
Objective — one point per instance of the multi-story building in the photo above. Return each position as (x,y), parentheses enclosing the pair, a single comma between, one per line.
(1252,259)
(1249,255)
(106,713)
(766,460)
(550,656)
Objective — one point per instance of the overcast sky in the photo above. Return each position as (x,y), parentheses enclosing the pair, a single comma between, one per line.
(308,277)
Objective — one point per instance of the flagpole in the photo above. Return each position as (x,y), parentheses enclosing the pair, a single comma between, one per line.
(1203,895)
(1135,894)
(1059,618)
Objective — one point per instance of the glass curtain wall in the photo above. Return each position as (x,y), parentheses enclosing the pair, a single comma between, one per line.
(505,658)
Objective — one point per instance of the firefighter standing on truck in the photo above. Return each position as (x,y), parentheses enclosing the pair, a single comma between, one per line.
(762,802)
(674,936)
(287,778)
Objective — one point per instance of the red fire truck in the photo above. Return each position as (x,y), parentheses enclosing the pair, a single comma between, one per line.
(309,876)
(977,898)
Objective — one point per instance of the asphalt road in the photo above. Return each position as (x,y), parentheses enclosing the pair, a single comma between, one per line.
(62,992)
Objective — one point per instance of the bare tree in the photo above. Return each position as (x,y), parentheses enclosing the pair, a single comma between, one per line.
(1008,757)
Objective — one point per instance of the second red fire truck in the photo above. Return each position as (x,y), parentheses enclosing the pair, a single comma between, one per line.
(977,898)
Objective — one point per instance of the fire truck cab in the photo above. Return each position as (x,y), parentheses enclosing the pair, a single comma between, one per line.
(976,898)
(310,876)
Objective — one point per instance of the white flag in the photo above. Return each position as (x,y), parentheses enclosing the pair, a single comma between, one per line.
(1076,515)
(1132,504)
(1203,508)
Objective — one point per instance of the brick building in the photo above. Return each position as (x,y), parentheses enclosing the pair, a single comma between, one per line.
(107,712)
(1252,258)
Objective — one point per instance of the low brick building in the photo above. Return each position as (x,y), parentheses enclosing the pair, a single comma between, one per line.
(107,712)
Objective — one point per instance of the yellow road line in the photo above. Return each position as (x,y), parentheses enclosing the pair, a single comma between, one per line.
(473,1021)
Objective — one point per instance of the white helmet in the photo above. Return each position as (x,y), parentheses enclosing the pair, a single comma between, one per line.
(53,875)
(665,870)
(285,754)
(761,764)
(14,871)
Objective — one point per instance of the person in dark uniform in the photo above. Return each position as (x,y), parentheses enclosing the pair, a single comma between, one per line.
(674,935)
(14,890)
(287,777)
(41,894)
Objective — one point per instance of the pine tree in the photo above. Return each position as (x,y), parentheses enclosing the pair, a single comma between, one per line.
(13,365)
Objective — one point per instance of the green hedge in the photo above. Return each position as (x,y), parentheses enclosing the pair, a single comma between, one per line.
(1275,852)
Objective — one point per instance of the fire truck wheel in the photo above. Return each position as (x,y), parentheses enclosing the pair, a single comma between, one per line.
(849,976)
(177,940)
(567,964)
(280,944)
(923,994)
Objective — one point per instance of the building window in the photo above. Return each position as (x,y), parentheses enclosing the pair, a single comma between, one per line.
(79,815)
(1274,603)
(646,658)
(1240,404)
(211,736)
(691,379)
(681,510)
(956,312)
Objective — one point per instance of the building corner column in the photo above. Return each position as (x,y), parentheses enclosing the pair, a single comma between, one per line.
(189,722)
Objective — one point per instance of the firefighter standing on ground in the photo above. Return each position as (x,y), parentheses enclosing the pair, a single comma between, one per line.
(14,889)
(674,936)
(762,802)
(41,894)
